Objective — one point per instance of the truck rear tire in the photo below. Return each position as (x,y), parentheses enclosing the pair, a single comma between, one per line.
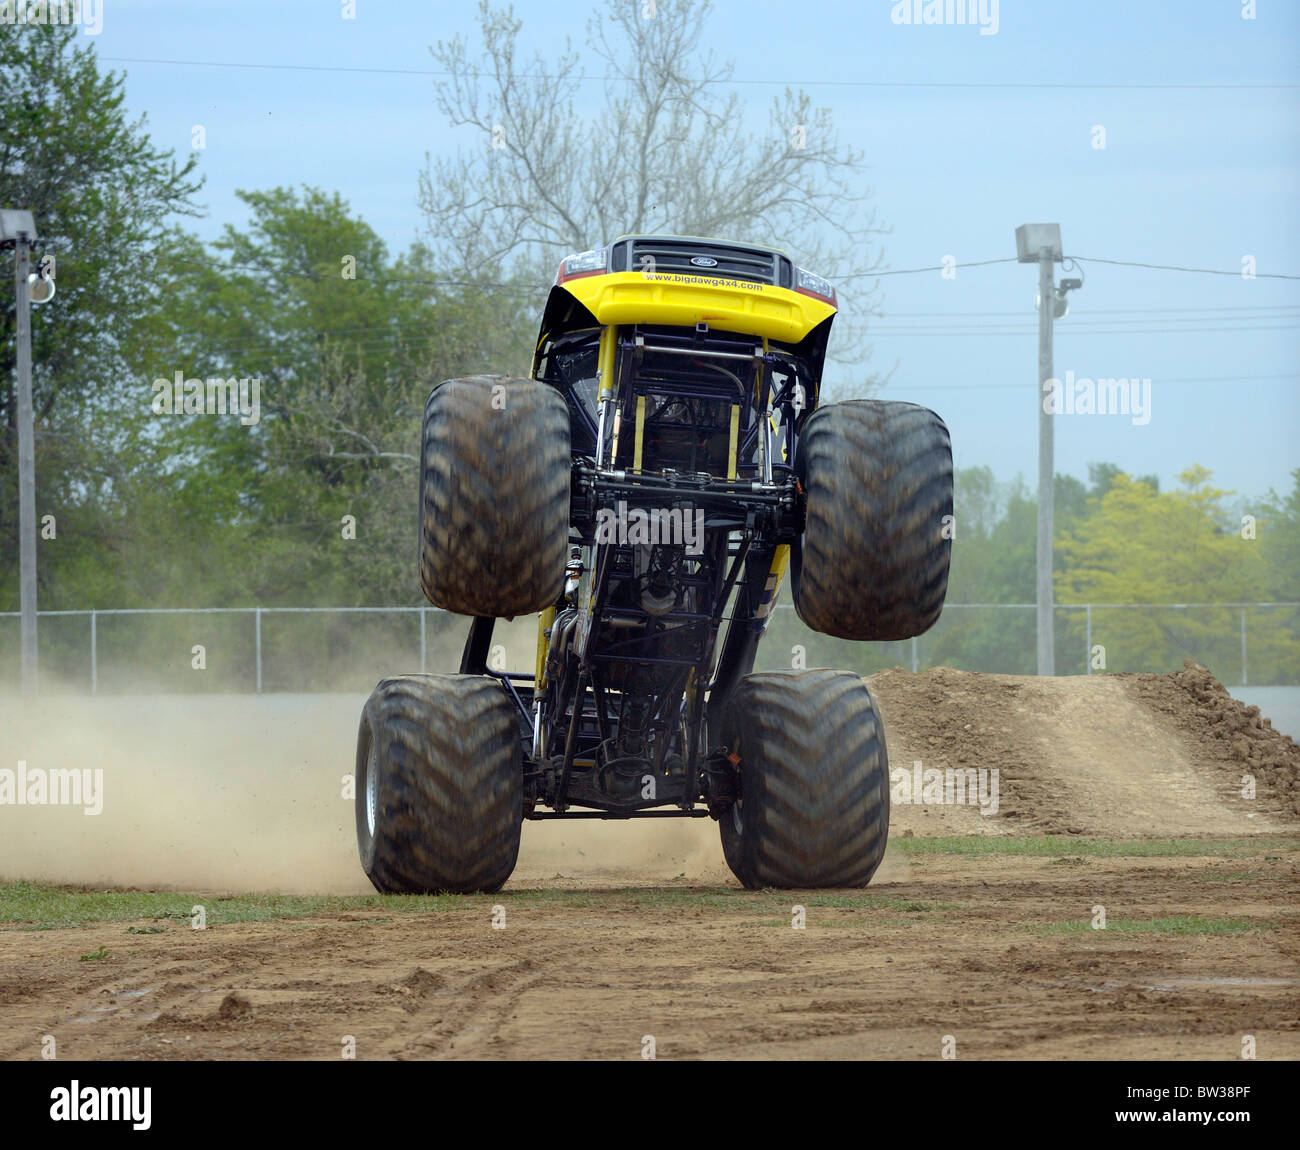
(439,785)
(814,781)
(873,559)
(494,496)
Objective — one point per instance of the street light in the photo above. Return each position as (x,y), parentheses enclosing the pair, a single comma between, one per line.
(40,289)
(18,231)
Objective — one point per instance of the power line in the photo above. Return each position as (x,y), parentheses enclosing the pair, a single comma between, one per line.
(1189,320)
(391,329)
(480,284)
(1021,332)
(1098,311)
(1111,323)
(376,337)
(1082,259)
(1177,268)
(1154,382)
(1085,322)
(1065,85)
(916,271)
(382,342)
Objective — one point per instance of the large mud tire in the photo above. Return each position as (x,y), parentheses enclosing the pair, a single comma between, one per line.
(873,559)
(814,781)
(439,785)
(494,496)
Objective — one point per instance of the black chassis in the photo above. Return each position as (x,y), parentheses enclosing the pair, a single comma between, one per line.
(629,722)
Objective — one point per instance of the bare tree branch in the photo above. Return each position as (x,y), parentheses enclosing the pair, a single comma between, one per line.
(665,151)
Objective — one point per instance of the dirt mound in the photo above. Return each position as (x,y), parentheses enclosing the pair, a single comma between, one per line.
(1113,755)
(1229,734)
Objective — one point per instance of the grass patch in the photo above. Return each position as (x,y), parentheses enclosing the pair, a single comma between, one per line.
(1177,924)
(30,906)
(970,846)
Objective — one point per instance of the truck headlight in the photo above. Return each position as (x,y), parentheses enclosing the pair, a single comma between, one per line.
(814,285)
(582,264)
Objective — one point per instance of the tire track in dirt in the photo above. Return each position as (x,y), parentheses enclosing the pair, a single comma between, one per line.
(465,1018)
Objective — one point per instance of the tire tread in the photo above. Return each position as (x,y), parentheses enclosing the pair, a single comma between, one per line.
(451,784)
(873,560)
(815,781)
(494,496)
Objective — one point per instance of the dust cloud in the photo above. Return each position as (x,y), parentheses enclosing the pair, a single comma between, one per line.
(243,793)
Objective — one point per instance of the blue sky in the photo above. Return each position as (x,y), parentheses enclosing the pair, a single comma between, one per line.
(1196,176)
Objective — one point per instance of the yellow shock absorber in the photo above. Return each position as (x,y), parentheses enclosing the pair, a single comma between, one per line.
(605,361)
(772,588)
(640,432)
(544,620)
(605,370)
(733,441)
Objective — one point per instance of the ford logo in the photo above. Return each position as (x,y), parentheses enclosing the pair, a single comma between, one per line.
(704,261)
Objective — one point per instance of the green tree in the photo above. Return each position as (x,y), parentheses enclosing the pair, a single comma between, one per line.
(346,341)
(101,193)
(993,561)
(1279,541)
(1143,546)
(1274,632)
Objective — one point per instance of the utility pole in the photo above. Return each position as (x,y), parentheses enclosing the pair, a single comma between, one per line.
(1046,470)
(18,230)
(1041,244)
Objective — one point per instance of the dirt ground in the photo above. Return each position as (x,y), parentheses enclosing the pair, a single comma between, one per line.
(941,947)
(619,935)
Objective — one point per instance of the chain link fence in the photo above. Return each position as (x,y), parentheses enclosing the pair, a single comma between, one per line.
(1242,643)
(247,650)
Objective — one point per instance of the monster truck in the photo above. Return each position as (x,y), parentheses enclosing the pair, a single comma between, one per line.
(658,476)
